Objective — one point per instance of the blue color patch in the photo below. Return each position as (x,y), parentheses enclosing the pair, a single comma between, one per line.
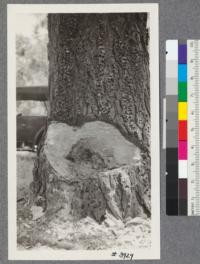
(182,72)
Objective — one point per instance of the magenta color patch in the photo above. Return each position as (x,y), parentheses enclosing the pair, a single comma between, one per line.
(182,150)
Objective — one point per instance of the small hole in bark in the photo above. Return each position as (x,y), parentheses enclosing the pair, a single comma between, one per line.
(70,158)
(102,218)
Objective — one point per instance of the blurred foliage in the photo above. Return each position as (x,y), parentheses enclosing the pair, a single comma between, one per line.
(31,54)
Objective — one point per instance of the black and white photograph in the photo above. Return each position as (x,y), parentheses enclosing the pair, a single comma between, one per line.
(83,132)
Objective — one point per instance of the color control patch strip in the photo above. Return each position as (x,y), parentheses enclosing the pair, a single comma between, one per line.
(183,127)
(172,127)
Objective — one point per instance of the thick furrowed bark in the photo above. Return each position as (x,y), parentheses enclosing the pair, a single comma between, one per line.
(99,71)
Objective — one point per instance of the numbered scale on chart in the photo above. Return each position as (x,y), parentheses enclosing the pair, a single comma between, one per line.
(193,58)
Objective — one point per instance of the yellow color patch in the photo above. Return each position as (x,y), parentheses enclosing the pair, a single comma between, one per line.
(182,111)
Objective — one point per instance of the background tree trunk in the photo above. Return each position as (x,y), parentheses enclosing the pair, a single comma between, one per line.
(98,71)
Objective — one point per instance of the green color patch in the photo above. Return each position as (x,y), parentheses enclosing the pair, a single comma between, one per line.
(182,92)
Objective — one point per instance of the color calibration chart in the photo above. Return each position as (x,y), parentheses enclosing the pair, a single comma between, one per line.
(183,127)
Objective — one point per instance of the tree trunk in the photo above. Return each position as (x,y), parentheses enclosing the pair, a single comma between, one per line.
(98,77)
(99,70)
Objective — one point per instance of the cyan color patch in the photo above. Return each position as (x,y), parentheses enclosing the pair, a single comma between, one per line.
(182,72)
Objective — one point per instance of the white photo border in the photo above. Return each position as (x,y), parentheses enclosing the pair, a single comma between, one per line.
(150,253)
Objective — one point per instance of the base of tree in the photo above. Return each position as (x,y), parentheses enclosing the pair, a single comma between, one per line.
(90,171)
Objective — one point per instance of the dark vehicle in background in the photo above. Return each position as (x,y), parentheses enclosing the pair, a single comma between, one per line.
(31,123)
(29,131)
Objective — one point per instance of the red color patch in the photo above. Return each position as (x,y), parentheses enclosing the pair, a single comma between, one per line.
(182,130)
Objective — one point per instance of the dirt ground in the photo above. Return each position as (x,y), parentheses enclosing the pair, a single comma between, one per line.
(25,162)
(38,230)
